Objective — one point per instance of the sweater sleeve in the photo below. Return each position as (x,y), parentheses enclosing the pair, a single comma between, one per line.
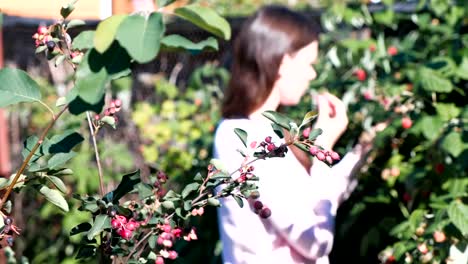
(303,208)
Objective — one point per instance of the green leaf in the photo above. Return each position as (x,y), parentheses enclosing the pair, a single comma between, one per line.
(100,223)
(447,111)
(110,120)
(126,185)
(278,119)
(432,81)
(458,214)
(315,133)
(84,40)
(141,36)
(453,144)
(58,183)
(309,117)
(90,82)
(429,126)
(152,241)
(144,190)
(86,251)
(218,164)
(205,18)
(75,23)
(63,143)
(105,32)
(28,145)
(190,188)
(17,87)
(54,197)
(59,159)
(302,147)
(239,201)
(462,71)
(278,130)
(59,59)
(66,10)
(163,3)
(40,49)
(168,204)
(83,227)
(178,43)
(242,135)
(213,202)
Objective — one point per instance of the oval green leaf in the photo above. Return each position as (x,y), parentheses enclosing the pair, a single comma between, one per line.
(17,87)
(54,197)
(141,36)
(84,40)
(177,42)
(105,32)
(100,223)
(205,18)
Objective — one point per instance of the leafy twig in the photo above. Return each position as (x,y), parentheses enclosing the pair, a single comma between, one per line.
(96,153)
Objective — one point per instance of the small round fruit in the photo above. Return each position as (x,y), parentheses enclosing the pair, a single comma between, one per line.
(265,212)
(258,205)
(406,122)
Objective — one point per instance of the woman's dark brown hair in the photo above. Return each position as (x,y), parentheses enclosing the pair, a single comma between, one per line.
(259,47)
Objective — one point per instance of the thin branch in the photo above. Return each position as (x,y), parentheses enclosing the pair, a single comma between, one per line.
(96,153)
(31,154)
(48,108)
(137,245)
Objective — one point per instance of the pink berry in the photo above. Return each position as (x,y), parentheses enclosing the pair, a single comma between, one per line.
(268,139)
(177,232)
(159,260)
(368,95)
(253,144)
(97,117)
(42,30)
(306,132)
(439,236)
(406,122)
(329,159)
(423,248)
(314,150)
(372,48)
(172,254)
(265,212)
(112,110)
(160,240)
(118,102)
(167,228)
(167,243)
(112,105)
(335,156)
(320,156)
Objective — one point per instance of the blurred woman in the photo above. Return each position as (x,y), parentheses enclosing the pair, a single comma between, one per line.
(273,59)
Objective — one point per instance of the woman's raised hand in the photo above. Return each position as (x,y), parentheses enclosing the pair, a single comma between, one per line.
(332,119)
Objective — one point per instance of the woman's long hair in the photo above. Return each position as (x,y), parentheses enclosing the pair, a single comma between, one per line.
(259,47)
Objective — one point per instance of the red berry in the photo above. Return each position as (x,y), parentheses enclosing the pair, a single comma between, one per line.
(125,233)
(372,47)
(118,102)
(132,225)
(177,232)
(265,212)
(406,122)
(423,248)
(253,144)
(167,228)
(112,110)
(320,156)
(258,205)
(306,132)
(314,150)
(97,117)
(159,260)
(439,168)
(268,139)
(115,223)
(392,51)
(271,147)
(361,75)
(329,159)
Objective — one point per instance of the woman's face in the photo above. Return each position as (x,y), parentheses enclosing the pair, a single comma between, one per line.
(295,73)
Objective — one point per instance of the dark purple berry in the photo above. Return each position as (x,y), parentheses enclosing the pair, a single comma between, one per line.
(7,221)
(50,45)
(258,205)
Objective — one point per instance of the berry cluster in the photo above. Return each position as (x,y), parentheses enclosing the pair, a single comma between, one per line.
(124,228)
(245,174)
(166,240)
(269,147)
(43,37)
(113,108)
(7,231)
(161,178)
(261,210)
(324,155)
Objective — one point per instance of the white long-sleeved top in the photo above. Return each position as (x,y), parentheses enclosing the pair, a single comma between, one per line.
(303,203)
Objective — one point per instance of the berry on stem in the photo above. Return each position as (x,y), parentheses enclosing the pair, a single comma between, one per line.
(265,212)
(361,75)
(406,122)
